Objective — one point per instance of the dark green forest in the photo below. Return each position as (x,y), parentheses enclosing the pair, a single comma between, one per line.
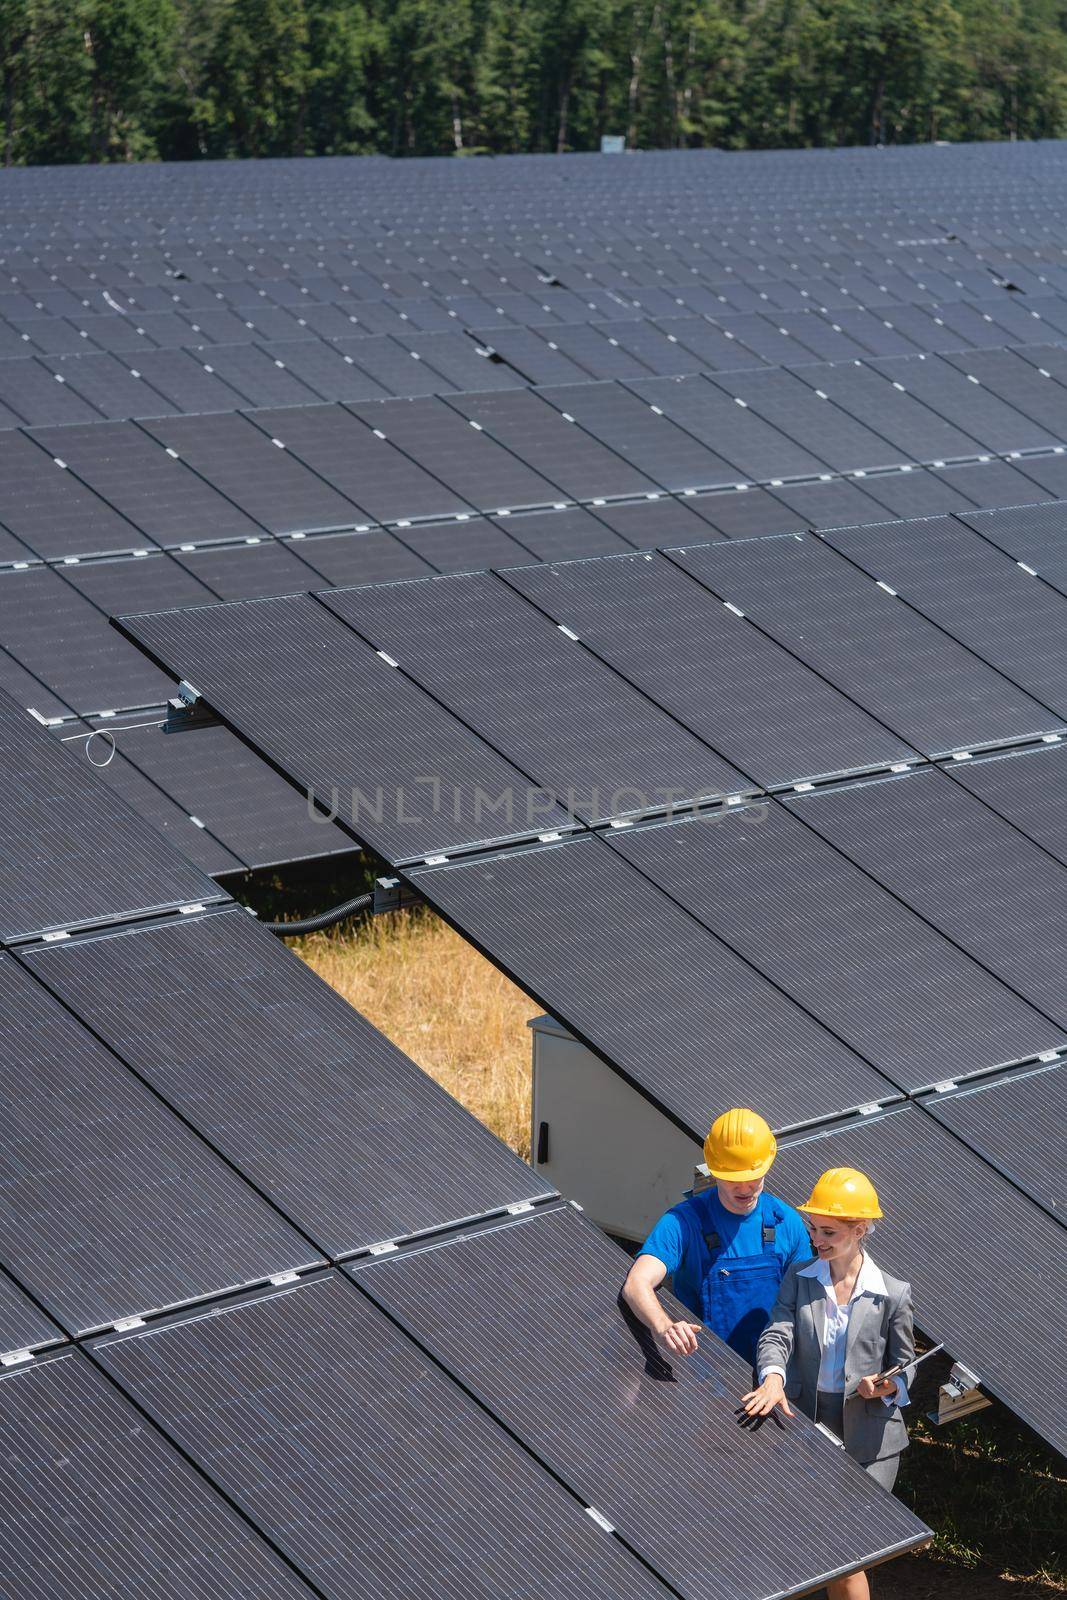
(122,80)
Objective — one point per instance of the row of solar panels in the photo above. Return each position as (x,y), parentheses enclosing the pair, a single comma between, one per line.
(191,1120)
(862,942)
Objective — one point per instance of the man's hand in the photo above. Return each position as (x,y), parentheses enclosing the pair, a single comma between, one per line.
(771,1392)
(680,1337)
(875,1388)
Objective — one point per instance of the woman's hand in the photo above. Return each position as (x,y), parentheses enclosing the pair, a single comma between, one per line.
(762,1401)
(681,1337)
(876,1388)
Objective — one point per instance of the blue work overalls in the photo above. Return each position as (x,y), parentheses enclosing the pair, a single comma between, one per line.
(737,1294)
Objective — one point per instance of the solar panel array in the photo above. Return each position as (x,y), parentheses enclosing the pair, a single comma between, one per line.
(244,382)
(725,711)
(196,1131)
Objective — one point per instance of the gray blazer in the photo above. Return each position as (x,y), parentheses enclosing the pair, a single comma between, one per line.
(880,1335)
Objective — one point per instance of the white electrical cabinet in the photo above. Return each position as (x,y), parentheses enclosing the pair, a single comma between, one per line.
(601,1143)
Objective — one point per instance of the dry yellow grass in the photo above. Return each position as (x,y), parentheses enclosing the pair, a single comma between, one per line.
(444,1004)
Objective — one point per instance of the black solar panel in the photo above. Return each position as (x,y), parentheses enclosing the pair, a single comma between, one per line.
(1004,615)
(1019,1125)
(50,511)
(92,743)
(1035,535)
(95,1165)
(370,557)
(829,936)
(406,776)
(898,666)
(112,384)
(665,1002)
(915,432)
(922,492)
(662,520)
(1017,382)
(830,433)
(250,571)
(971,406)
(95,1504)
(546,703)
(469,546)
(161,496)
(395,369)
(261,379)
(66,642)
(354,459)
(561,535)
(384,1477)
(750,513)
(1028,789)
(969,873)
(531,354)
(459,360)
(356,1145)
(735,432)
(622,1440)
(29,392)
(966,1285)
(23,1326)
(465,459)
(325,371)
(184,379)
(71,853)
(572,461)
(263,481)
(650,442)
(776,720)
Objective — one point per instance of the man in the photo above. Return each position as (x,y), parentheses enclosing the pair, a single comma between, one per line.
(728,1247)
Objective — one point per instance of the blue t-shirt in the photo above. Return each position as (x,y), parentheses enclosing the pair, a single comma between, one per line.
(678,1240)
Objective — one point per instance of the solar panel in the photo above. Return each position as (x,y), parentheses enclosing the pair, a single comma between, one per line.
(30,393)
(970,406)
(733,431)
(398,371)
(1016,382)
(600,355)
(259,378)
(94,1164)
(468,546)
(324,371)
(998,1120)
(104,745)
(212,1013)
(537,696)
(564,534)
(459,360)
(829,432)
(573,462)
(1035,535)
(714,348)
(663,520)
(897,666)
(696,1018)
(384,1477)
(71,853)
(873,973)
(1028,790)
(23,1326)
(656,349)
(162,497)
(619,1437)
(653,444)
(354,459)
(966,1286)
(774,718)
(250,571)
(50,511)
(67,643)
(263,481)
(964,869)
(918,493)
(185,379)
(999,483)
(112,384)
(1009,619)
(749,513)
(94,1503)
(408,778)
(531,353)
(912,429)
(151,583)
(464,458)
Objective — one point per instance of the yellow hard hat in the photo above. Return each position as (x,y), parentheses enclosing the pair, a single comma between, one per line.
(843,1192)
(740,1146)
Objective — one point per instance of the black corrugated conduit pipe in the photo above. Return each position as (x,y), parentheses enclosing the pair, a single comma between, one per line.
(325,919)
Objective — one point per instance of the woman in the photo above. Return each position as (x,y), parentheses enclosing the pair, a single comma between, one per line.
(838,1323)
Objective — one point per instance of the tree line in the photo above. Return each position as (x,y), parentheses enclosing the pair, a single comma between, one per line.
(122,80)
